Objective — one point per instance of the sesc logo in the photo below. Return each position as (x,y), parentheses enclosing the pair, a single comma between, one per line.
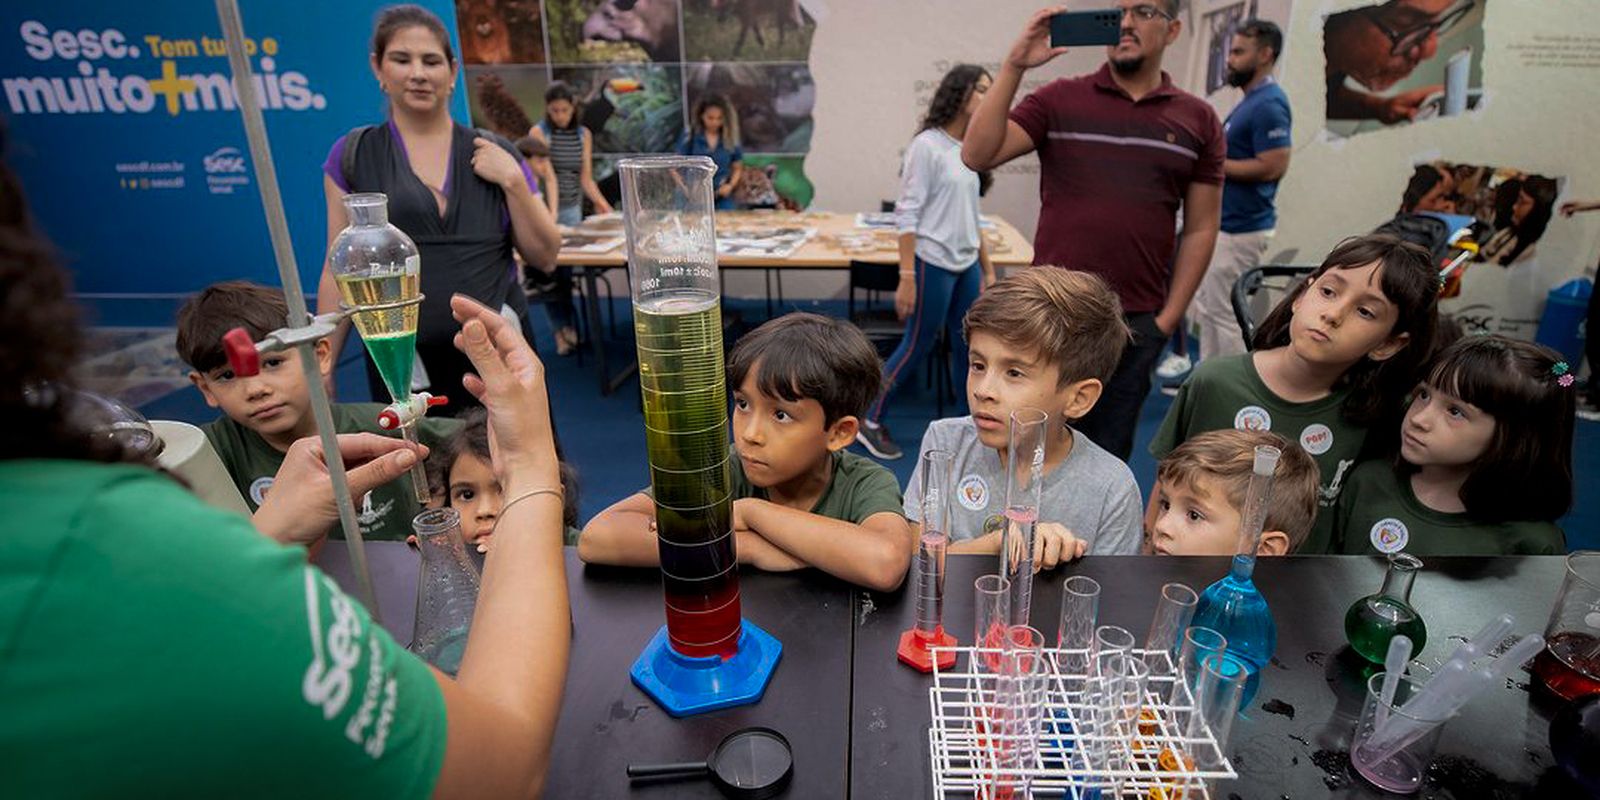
(225,170)
(224,161)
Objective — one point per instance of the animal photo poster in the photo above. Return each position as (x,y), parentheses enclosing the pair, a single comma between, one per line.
(636,70)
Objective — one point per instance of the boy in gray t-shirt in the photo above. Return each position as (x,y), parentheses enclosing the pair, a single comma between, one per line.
(1045,338)
(1091,493)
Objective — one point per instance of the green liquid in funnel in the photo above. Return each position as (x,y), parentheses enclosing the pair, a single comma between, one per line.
(390,333)
(394,354)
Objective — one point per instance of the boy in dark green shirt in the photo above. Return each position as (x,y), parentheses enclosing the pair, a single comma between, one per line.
(799,383)
(264,414)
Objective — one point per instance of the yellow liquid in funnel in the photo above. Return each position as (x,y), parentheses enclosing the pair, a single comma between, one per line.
(390,334)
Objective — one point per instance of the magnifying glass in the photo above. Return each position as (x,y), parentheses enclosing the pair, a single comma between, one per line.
(750,763)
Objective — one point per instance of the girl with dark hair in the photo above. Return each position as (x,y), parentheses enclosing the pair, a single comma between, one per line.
(572,156)
(714,132)
(465,197)
(463,478)
(1485,462)
(1332,361)
(941,243)
(1523,221)
(133,598)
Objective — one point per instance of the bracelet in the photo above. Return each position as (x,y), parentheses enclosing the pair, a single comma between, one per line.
(525,495)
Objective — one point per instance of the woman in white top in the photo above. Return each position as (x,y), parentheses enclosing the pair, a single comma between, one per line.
(943,261)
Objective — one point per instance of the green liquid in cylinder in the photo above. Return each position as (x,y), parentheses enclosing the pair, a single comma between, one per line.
(390,334)
(685,393)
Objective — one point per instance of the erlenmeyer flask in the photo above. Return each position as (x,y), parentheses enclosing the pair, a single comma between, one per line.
(1375,619)
(447,590)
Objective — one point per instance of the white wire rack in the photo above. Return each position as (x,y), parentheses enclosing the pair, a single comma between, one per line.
(1152,759)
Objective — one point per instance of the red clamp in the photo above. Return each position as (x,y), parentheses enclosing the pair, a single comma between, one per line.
(405,412)
(243,358)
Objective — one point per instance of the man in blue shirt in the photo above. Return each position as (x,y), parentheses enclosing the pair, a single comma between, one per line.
(1258,155)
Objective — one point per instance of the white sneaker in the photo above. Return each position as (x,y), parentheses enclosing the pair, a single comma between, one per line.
(1172,366)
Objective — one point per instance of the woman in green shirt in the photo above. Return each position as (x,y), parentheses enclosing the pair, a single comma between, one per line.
(151,645)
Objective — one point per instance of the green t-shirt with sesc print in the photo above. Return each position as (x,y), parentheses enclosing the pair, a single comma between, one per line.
(1227,392)
(1379,513)
(384,513)
(153,646)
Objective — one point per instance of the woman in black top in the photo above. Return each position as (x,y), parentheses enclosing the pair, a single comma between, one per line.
(466,200)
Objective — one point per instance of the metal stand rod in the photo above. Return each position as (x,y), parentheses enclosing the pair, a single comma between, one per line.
(283,250)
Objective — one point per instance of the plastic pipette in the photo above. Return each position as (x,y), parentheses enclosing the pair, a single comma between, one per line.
(1442,701)
(1393,664)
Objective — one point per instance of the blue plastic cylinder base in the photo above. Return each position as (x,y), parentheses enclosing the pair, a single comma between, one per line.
(684,685)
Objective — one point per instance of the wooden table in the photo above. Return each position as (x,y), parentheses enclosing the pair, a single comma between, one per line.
(819,253)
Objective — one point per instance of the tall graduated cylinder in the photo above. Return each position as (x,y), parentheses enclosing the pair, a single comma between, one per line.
(677,318)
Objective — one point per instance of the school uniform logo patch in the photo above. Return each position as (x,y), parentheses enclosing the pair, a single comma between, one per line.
(259,488)
(1389,535)
(973,493)
(1317,438)
(1252,418)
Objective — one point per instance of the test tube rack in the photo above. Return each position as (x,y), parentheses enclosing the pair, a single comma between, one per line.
(964,759)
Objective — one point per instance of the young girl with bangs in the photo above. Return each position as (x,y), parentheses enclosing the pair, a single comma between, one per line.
(1485,462)
(1330,362)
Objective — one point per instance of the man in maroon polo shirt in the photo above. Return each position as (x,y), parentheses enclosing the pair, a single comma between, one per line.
(1120,150)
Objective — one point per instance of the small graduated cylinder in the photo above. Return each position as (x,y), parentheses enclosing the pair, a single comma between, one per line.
(1024,483)
(930,583)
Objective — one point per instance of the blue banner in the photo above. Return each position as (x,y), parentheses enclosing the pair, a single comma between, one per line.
(123,125)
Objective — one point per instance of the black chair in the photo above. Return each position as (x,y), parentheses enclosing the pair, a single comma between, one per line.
(1274,278)
(884,328)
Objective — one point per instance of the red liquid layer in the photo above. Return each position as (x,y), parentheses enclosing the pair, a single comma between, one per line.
(1575,671)
(703,617)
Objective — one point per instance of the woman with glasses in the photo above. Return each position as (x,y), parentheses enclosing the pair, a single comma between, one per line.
(1377,47)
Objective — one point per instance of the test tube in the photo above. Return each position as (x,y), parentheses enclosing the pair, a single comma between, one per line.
(1456,73)
(1109,641)
(1080,606)
(1199,642)
(1115,696)
(1018,711)
(1024,472)
(1173,614)
(1219,683)
(992,608)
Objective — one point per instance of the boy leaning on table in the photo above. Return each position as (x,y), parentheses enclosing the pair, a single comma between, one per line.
(1044,338)
(1198,500)
(801,382)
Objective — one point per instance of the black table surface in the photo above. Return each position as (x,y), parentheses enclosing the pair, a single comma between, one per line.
(607,722)
(1497,747)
